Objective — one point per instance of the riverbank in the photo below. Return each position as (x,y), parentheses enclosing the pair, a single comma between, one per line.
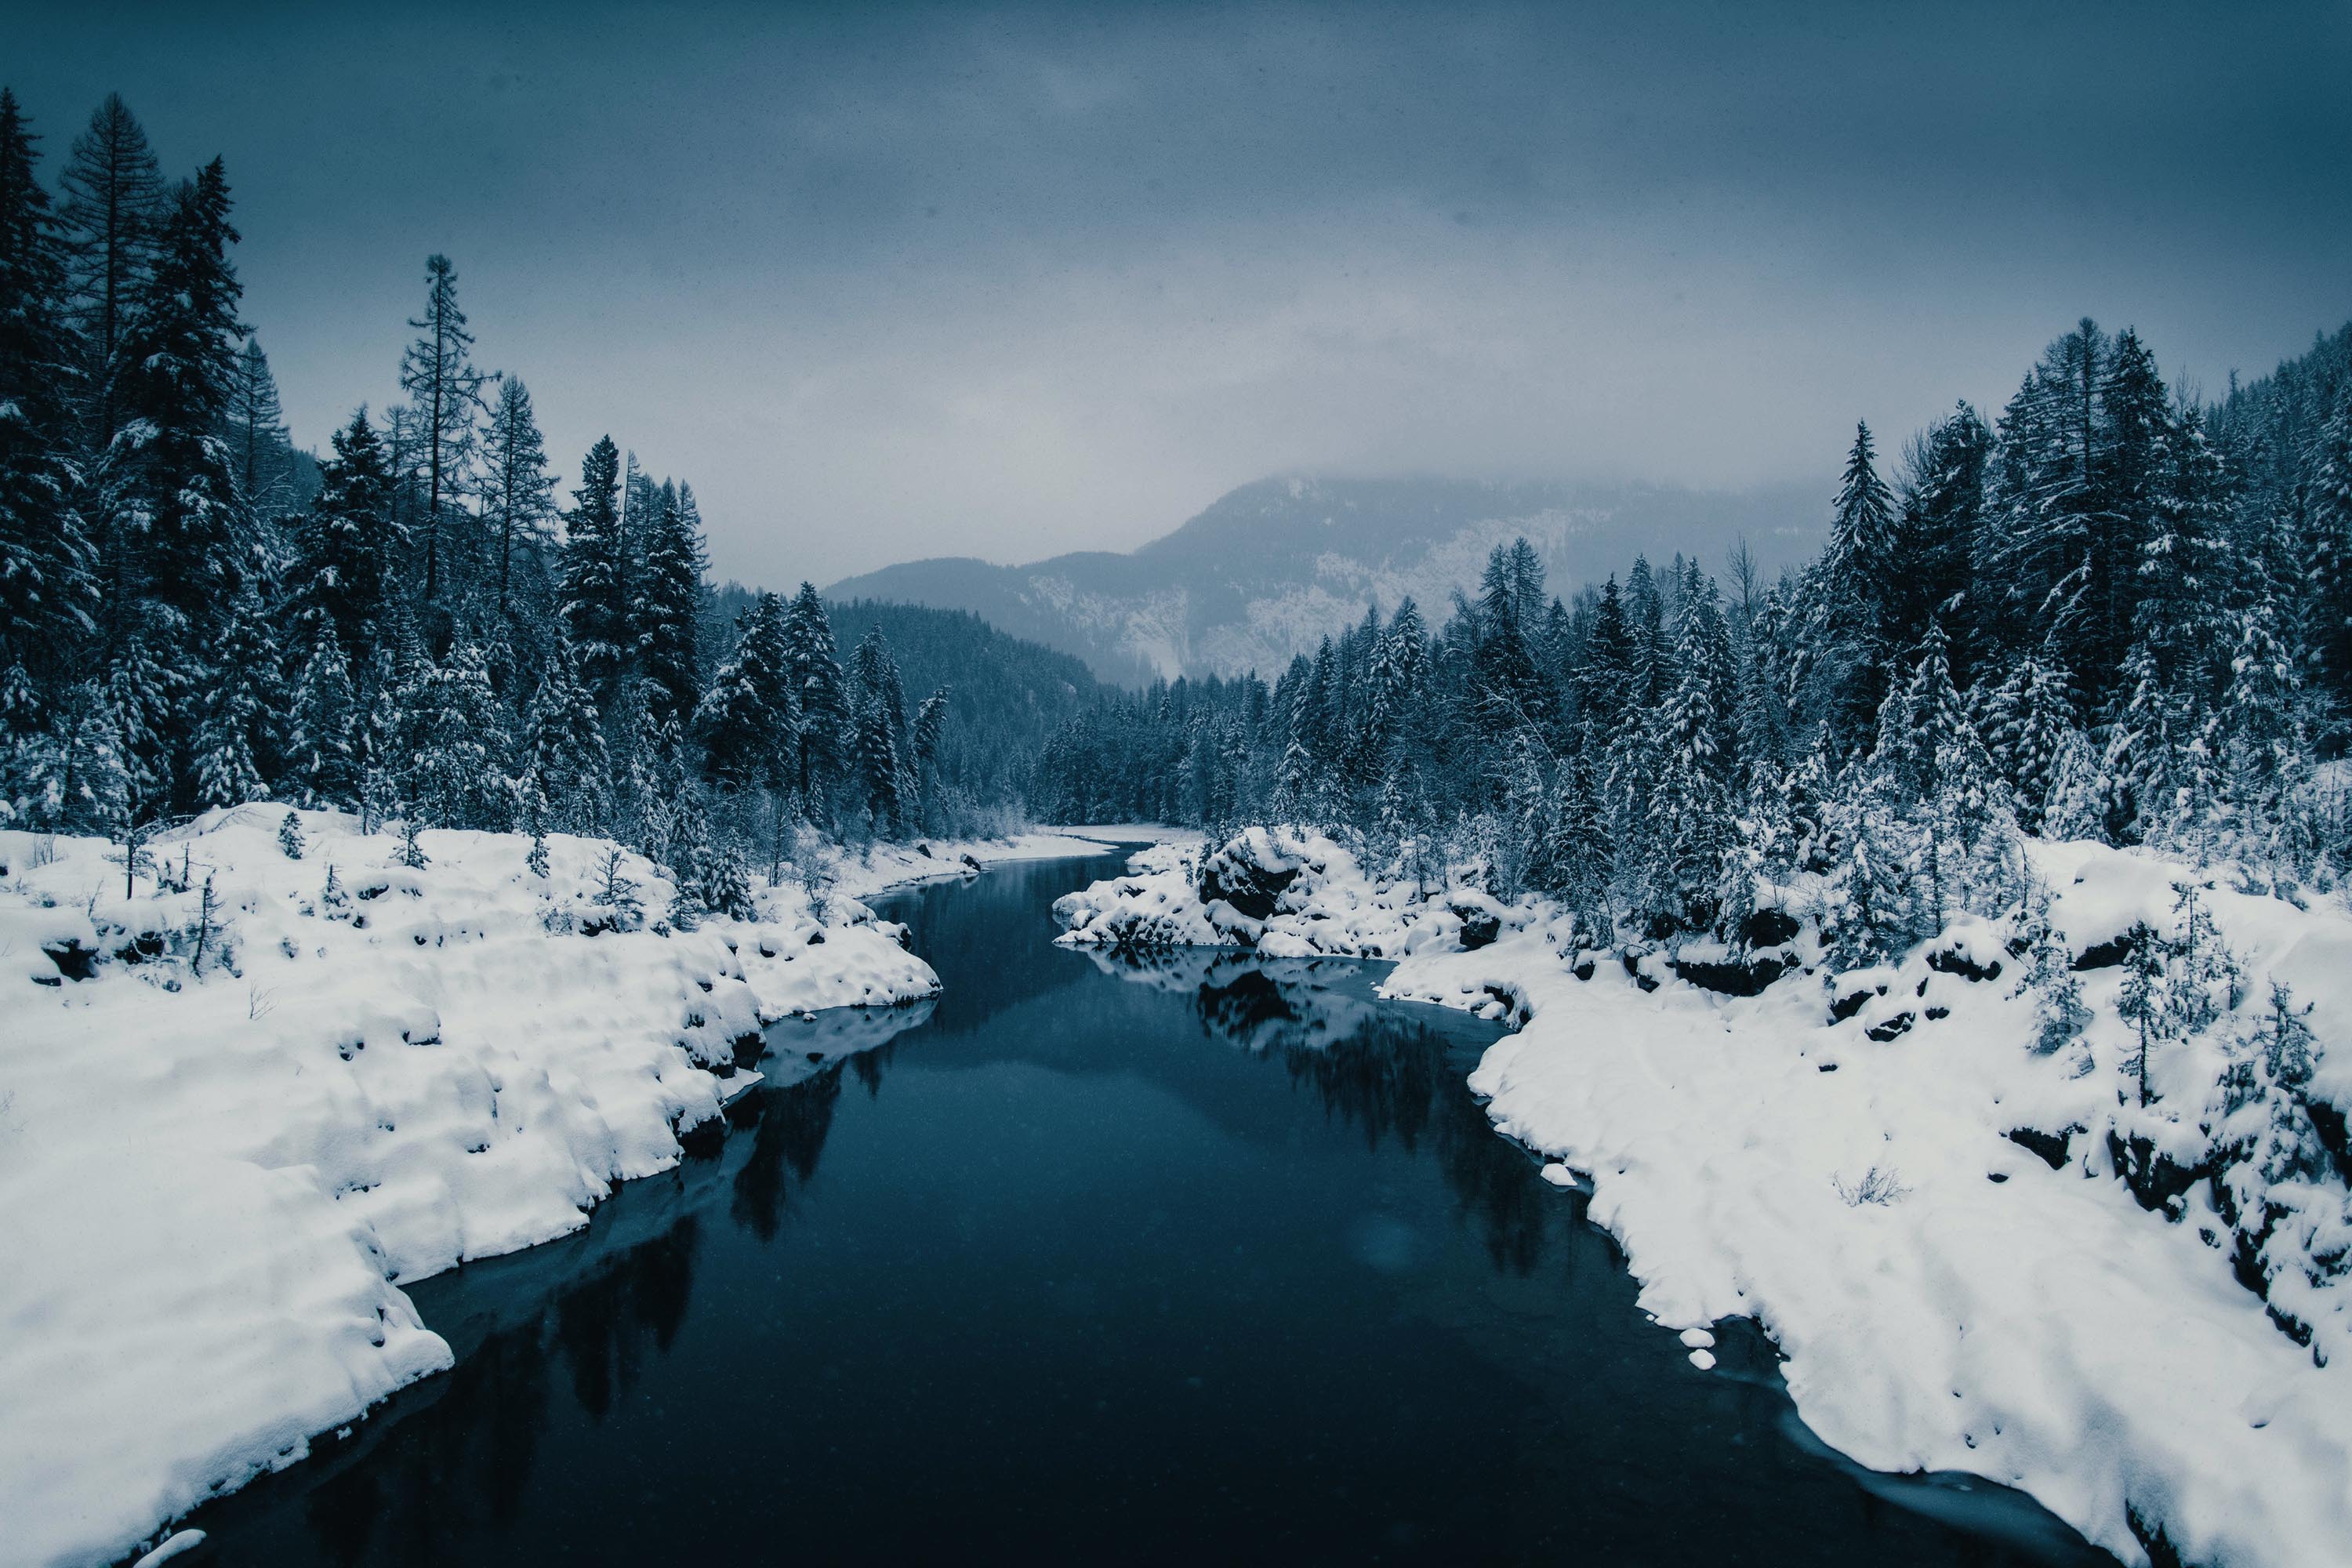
(243,1104)
(1946,1297)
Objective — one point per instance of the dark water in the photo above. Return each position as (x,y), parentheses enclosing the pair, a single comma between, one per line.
(1207,1262)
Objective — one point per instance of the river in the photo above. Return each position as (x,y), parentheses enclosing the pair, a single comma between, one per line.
(1206,1261)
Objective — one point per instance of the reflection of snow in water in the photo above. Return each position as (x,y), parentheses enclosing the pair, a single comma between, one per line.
(800,1049)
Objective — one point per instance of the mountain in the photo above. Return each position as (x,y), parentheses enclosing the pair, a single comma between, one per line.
(1270,568)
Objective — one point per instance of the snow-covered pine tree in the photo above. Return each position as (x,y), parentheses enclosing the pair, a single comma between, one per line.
(745,722)
(878,703)
(1845,623)
(517,490)
(822,736)
(289,836)
(596,578)
(666,606)
(2143,763)
(2184,568)
(2060,1016)
(437,373)
(47,558)
(2327,506)
(453,778)
(1689,803)
(349,544)
(2259,726)
(180,363)
(564,751)
(321,760)
(1871,909)
(237,740)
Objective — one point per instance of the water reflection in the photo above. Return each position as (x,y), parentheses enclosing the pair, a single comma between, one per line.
(1393,1073)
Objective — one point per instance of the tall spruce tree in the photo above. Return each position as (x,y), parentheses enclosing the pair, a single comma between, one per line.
(596,578)
(438,374)
(179,369)
(821,741)
(517,490)
(47,592)
(667,609)
(114,211)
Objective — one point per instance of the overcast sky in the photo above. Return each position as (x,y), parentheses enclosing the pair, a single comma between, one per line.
(886,283)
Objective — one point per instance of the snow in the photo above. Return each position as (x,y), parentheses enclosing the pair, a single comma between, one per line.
(884,866)
(213,1184)
(1945,1300)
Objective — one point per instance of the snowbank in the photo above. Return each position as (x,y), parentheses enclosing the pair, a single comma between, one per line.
(884,866)
(1833,1158)
(217,1168)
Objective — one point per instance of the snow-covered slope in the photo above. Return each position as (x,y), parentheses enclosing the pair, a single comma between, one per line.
(214,1178)
(1272,567)
(1833,1158)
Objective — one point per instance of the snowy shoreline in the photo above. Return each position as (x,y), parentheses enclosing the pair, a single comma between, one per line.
(1946,1298)
(230,1132)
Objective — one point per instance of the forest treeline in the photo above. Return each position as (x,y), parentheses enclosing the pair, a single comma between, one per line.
(2114,612)
(194,614)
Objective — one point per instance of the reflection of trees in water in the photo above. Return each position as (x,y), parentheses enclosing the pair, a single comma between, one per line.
(1376,1067)
(464,1458)
(785,1147)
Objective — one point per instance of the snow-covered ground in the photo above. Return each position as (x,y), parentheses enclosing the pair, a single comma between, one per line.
(1946,1299)
(216,1175)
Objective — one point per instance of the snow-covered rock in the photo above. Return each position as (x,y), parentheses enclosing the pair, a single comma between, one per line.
(1286,893)
(1943,1229)
(230,1131)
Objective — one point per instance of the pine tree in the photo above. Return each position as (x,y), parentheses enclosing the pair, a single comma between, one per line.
(2144,760)
(1690,802)
(179,367)
(260,453)
(453,777)
(2184,566)
(821,737)
(2140,1003)
(517,491)
(1931,566)
(1847,617)
(437,373)
(289,836)
(114,211)
(666,613)
(47,558)
(2059,1014)
(2327,502)
(322,769)
(564,748)
(349,544)
(2258,734)
(878,704)
(596,577)
(235,741)
(745,721)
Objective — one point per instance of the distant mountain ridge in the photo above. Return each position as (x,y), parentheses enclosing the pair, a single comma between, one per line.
(1270,568)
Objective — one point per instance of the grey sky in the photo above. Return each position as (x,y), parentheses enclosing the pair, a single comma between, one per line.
(884,283)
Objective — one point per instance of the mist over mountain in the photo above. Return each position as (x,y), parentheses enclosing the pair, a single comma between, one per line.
(1271,568)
